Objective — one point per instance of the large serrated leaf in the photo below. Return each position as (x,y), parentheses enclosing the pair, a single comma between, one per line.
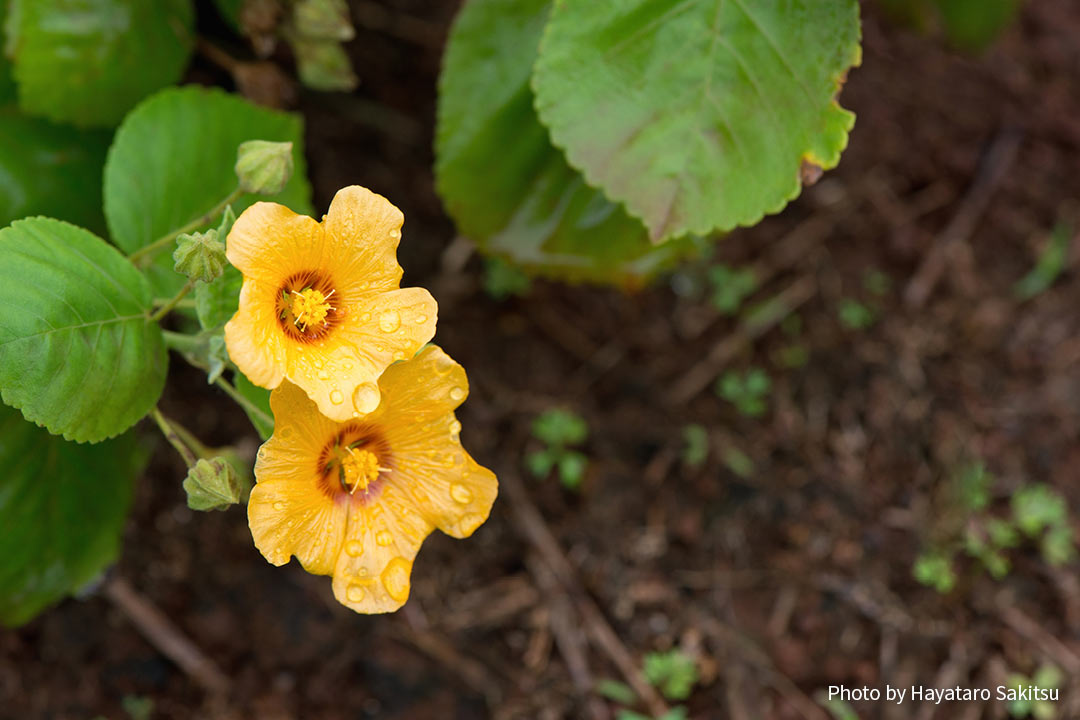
(62,508)
(172,161)
(87,62)
(697,115)
(504,184)
(48,169)
(77,352)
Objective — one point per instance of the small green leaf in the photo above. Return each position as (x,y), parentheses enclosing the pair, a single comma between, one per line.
(218,301)
(62,507)
(1048,267)
(697,116)
(540,462)
(615,690)
(77,352)
(934,569)
(87,62)
(572,466)
(854,315)
(501,180)
(559,428)
(172,161)
(1036,507)
(261,398)
(730,287)
(48,169)
(673,673)
(973,484)
(1059,545)
(696,450)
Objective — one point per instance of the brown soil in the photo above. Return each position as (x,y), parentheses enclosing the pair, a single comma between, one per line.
(780,583)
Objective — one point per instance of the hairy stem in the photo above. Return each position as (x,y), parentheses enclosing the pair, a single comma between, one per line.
(242,401)
(144,255)
(174,439)
(167,307)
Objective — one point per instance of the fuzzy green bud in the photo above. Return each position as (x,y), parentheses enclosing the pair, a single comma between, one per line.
(264,167)
(323,19)
(200,256)
(212,485)
(323,65)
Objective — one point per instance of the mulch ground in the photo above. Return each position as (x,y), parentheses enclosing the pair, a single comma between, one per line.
(790,575)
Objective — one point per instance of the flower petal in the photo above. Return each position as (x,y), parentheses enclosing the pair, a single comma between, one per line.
(255,342)
(287,511)
(341,374)
(362,230)
(446,485)
(372,575)
(269,242)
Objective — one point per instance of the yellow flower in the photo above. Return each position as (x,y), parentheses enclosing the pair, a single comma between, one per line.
(321,304)
(355,500)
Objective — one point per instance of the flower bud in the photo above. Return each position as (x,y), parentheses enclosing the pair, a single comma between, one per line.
(264,167)
(323,65)
(200,256)
(323,19)
(212,485)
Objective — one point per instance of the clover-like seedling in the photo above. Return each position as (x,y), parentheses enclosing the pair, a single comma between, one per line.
(1047,677)
(747,392)
(730,287)
(935,569)
(855,315)
(1040,513)
(559,430)
(673,673)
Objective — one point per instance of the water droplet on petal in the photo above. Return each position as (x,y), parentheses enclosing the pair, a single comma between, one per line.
(395,578)
(365,317)
(354,593)
(395,234)
(366,397)
(460,493)
(457,394)
(354,548)
(323,375)
(389,321)
(421,319)
(336,397)
(384,538)
(279,506)
(399,355)
(470,522)
(455,427)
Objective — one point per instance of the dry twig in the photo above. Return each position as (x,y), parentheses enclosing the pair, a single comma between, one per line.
(160,632)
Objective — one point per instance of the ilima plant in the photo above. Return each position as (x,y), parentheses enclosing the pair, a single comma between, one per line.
(363,459)
(602,140)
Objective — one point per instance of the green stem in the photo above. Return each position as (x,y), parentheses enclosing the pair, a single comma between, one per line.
(188,304)
(182,342)
(148,252)
(242,401)
(174,439)
(164,310)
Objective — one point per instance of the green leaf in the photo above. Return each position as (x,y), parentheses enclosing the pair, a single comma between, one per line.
(77,352)
(48,169)
(172,161)
(975,24)
(615,690)
(261,398)
(572,466)
(503,183)
(540,462)
(696,450)
(697,115)
(87,62)
(1051,262)
(216,302)
(673,673)
(559,427)
(7,84)
(62,507)
(934,569)
(1036,507)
